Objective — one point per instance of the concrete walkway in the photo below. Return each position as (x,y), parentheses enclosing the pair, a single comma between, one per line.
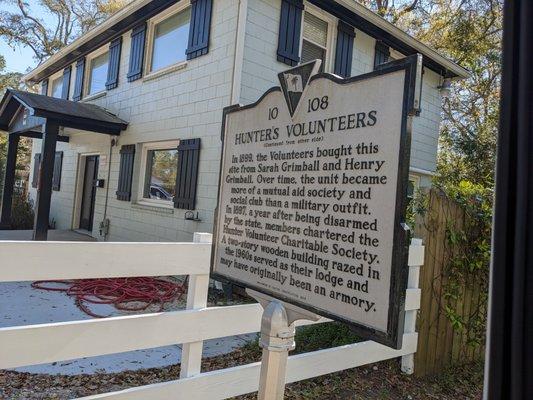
(56,235)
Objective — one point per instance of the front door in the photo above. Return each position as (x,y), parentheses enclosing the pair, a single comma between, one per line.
(88,193)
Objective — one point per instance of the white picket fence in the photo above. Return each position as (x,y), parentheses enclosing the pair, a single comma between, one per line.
(45,343)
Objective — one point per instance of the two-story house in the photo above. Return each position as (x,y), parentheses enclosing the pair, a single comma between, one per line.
(158,73)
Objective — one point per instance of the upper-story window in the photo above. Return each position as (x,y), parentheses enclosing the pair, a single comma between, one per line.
(169,37)
(56,89)
(97,73)
(316,39)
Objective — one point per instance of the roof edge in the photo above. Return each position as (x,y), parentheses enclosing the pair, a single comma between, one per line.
(105,25)
(425,50)
(352,5)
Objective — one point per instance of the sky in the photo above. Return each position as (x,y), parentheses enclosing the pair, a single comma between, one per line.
(21,59)
(18,60)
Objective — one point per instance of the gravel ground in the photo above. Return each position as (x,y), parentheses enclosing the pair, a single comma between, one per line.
(381,381)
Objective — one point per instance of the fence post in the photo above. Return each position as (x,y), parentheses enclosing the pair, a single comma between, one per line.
(416,259)
(191,353)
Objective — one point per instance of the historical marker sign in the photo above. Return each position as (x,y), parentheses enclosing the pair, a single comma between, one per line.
(313,193)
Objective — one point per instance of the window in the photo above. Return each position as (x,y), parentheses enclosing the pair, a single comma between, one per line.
(98,73)
(315,40)
(57,88)
(160,166)
(170,40)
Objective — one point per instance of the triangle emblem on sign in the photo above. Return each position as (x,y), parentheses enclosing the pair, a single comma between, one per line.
(294,81)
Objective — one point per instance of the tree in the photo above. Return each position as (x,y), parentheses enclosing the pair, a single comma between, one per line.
(8,79)
(469,32)
(48,25)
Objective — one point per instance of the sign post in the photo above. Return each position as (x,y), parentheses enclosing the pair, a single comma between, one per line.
(312,202)
(277,339)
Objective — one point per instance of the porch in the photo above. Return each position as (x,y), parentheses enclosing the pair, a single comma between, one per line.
(24,114)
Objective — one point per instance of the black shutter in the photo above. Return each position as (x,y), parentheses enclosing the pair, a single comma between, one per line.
(382,53)
(199,28)
(66,82)
(36,166)
(44,87)
(125,175)
(58,163)
(78,84)
(290,26)
(344,49)
(138,36)
(114,63)
(187,176)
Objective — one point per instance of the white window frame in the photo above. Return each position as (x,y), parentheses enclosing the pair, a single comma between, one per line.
(145,147)
(149,49)
(332,29)
(88,65)
(55,77)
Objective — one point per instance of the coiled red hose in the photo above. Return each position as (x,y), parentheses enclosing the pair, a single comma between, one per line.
(117,291)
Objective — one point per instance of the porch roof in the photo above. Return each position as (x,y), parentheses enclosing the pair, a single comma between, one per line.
(65,113)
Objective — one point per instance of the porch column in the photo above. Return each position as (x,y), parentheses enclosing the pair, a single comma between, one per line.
(9,181)
(44,185)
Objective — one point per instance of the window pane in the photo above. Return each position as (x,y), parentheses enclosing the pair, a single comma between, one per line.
(312,52)
(315,29)
(161,169)
(57,88)
(98,75)
(171,37)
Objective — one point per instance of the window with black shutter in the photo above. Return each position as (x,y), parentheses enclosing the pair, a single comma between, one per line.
(66,82)
(125,175)
(44,87)
(289,31)
(78,83)
(382,54)
(344,49)
(138,39)
(114,62)
(199,28)
(36,166)
(187,174)
(58,164)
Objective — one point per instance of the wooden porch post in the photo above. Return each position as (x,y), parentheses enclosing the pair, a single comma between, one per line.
(44,183)
(9,181)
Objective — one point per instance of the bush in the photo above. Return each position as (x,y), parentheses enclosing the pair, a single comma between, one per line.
(22,215)
(323,336)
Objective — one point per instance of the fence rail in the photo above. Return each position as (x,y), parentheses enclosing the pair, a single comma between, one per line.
(44,343)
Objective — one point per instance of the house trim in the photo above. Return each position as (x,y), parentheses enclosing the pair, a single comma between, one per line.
(421,171)
(238,59)
(372,24)
(142,10)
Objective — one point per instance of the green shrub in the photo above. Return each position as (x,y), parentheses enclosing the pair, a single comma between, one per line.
(323,336)
(22,215)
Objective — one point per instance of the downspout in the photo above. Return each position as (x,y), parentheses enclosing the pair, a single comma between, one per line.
(238,58)
(104,226)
